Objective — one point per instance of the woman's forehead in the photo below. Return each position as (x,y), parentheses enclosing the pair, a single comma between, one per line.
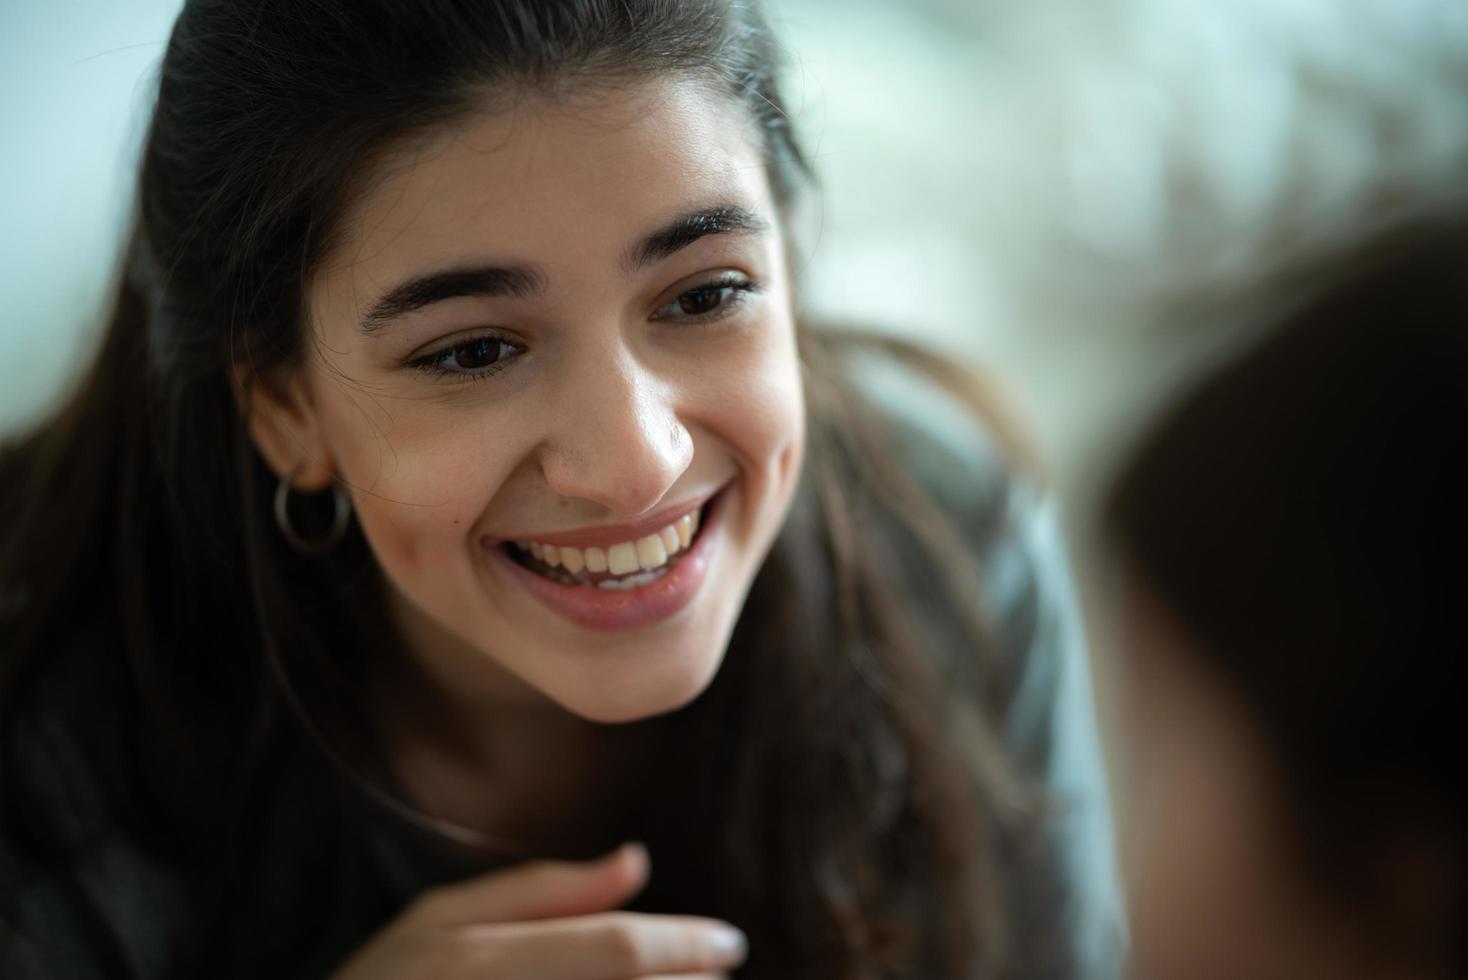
(555,182)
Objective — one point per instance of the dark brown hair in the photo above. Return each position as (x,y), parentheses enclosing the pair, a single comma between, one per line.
(853,838)
(1301,514)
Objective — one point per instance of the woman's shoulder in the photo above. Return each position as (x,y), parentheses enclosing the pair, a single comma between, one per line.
(960,449)
(956,429)
(945,428)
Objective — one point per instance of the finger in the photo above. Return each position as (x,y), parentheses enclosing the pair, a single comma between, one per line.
(537,890)
(614,944)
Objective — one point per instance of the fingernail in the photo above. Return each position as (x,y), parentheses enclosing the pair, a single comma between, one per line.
(729,943)
(635,850)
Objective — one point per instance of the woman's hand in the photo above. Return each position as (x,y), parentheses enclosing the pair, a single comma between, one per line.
(547,920)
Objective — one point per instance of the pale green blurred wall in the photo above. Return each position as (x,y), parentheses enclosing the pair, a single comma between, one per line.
(73,79)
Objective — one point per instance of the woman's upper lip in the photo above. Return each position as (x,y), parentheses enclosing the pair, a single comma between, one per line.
(606,535)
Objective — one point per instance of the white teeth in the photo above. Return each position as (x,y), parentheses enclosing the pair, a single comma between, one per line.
(630,582)
(651,553)
(645,554)
(622,558)
(573,559)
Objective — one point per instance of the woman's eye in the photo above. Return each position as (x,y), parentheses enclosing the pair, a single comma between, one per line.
(478,357)
(707,302)
(477,354)
(702,300)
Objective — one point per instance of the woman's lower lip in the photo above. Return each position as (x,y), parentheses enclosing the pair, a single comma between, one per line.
(616,609)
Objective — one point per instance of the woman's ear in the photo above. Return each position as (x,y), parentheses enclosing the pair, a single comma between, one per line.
(285,426)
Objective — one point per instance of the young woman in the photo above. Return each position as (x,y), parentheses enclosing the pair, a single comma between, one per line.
(455,497)
(1293,536)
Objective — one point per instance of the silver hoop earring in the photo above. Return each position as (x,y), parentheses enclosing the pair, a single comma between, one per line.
(312,546)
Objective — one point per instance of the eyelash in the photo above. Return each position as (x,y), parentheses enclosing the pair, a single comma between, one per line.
(433,363)
(738,287)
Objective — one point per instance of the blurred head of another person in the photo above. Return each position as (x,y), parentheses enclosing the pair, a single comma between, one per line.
(1292,540)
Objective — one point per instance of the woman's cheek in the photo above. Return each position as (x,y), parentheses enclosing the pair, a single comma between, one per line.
(420,487)
(754,400)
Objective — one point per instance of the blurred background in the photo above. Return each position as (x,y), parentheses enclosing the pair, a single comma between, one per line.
(1092,197)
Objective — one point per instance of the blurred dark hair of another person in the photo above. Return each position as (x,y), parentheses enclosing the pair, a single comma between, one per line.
(1292,539)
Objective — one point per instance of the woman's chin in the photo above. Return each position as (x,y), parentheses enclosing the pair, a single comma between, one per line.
(636,695)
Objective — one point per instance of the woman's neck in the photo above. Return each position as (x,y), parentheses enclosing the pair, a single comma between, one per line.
(490,754)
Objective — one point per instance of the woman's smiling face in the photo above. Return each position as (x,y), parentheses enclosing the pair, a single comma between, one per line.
(567,324)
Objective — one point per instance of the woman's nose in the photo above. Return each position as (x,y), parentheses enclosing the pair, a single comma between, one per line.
(618,440)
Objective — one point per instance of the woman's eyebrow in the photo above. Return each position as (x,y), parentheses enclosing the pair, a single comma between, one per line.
(689,227)
(526,280)
(421,291)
